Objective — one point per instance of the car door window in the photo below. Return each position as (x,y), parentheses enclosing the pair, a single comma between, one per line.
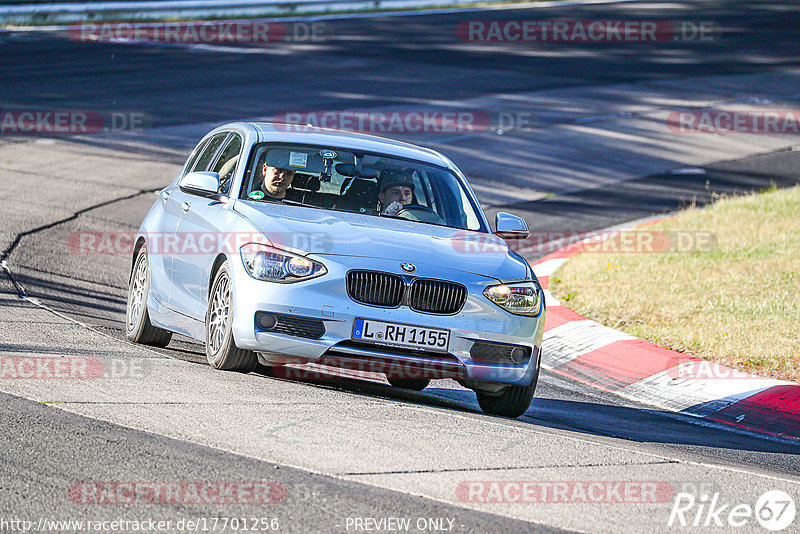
(209,151)
(193,158)
(226,163)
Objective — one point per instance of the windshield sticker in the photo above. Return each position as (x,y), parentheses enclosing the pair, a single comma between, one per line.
(298,159)
(256,195)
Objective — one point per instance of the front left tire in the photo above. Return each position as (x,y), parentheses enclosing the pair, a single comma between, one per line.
(221,350)
(512,402)
(138,327)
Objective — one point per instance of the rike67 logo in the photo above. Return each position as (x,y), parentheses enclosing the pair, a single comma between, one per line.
(774,510)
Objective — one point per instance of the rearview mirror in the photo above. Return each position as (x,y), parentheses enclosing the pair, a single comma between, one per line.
(203,183)
(510,226)
(348,169)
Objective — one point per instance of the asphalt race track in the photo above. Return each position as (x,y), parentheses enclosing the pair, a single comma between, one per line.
(585,145)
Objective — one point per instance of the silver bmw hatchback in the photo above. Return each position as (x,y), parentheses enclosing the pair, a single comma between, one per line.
(281,246)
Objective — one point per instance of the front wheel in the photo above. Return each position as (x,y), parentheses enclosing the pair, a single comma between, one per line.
(138,327)
(512,402)
(221,350)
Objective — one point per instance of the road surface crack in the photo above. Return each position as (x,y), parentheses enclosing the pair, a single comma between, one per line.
(18,238)
(509,468)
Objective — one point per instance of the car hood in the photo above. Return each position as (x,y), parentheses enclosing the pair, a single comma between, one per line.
(334,233)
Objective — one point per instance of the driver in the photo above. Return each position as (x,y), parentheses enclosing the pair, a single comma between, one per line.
(396,190)
(276,181)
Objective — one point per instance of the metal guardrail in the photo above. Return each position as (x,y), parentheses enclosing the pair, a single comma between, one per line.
(134,10)
(4,3)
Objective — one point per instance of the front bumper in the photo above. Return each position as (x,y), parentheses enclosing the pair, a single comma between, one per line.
(325,298)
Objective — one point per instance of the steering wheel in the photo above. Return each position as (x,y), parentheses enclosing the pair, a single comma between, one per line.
(416,212)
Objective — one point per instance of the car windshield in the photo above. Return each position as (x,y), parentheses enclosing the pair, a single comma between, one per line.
(358,182)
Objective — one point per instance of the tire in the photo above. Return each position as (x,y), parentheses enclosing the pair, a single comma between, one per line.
(416,384)
(137,319)
(512,402)
(221,350)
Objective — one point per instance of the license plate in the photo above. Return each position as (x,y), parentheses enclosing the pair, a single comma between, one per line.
(401,335)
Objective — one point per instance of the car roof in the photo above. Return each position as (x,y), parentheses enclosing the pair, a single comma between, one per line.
(293,133)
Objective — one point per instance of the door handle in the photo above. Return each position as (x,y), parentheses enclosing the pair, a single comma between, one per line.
(165,195)
(185,206)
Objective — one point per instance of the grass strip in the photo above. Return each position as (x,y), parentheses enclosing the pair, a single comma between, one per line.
(732,299)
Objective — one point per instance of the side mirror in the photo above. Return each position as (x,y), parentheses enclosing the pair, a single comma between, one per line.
(205,184)
(510,226)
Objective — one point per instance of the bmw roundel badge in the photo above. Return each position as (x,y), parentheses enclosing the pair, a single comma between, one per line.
(408,267)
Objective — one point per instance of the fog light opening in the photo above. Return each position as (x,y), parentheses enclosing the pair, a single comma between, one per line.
(266,321)
(518,355)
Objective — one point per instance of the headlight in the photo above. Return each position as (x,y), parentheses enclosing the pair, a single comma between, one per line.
(275,265)
(523,298)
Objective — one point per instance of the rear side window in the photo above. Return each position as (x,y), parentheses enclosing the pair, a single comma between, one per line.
(193,158)
(227,162)
(209,151)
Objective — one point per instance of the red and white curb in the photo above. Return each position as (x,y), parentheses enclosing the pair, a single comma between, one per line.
(584,350)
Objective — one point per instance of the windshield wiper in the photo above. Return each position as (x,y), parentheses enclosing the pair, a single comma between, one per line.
(296,203)
(283,201)
(442,224)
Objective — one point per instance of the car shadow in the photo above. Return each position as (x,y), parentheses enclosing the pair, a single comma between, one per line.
(104,308)
(641,425)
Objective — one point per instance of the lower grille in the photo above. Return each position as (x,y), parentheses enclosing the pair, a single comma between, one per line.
(291,325)
(499,352)
(389,351)
(436,296)
(375,288)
